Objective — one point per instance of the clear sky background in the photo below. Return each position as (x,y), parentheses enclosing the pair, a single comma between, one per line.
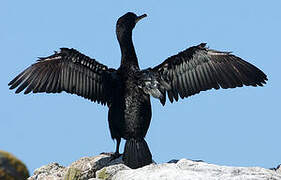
(237,127)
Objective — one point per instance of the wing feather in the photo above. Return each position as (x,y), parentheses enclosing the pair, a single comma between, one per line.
(69,71)
(199,68)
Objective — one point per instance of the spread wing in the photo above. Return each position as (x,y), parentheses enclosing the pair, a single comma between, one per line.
(67,70)
(198,69)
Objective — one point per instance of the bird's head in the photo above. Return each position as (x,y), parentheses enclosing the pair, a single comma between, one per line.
(126,24)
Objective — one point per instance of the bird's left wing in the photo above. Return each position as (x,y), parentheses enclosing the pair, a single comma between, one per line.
(70,71)
(196,69)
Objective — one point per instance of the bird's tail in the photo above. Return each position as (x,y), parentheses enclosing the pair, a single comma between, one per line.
(136,153)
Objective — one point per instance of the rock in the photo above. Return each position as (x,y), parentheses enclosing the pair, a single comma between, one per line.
(110,171)
(101,167)
(12,168)
(190,170)
(50,171)
(82,169)
(277,169)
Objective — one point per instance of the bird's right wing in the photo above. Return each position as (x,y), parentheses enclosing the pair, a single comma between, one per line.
(70,71)
(197,69)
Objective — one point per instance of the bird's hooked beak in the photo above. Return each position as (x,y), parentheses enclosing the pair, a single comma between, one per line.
(140,17)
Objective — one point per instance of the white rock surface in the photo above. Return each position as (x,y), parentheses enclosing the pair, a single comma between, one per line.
(100,167)
(189,170)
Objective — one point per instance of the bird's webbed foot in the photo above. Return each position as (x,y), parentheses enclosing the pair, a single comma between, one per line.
(116,154)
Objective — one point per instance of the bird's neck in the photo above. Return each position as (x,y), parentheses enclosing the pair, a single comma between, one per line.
(128,54)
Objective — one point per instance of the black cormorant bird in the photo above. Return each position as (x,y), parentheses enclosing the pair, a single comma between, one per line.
(127,90)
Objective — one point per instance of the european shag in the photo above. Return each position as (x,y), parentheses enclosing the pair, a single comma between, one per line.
(127,90)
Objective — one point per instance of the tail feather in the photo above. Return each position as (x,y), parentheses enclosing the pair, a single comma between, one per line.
(136,153)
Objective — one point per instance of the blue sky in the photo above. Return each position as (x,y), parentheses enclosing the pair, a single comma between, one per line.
(237,127)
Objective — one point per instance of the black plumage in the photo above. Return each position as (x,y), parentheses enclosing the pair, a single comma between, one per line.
(127,90)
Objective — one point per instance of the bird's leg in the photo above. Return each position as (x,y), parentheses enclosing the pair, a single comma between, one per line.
(117,154)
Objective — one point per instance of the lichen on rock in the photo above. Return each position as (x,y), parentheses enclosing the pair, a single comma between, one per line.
(72,174)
